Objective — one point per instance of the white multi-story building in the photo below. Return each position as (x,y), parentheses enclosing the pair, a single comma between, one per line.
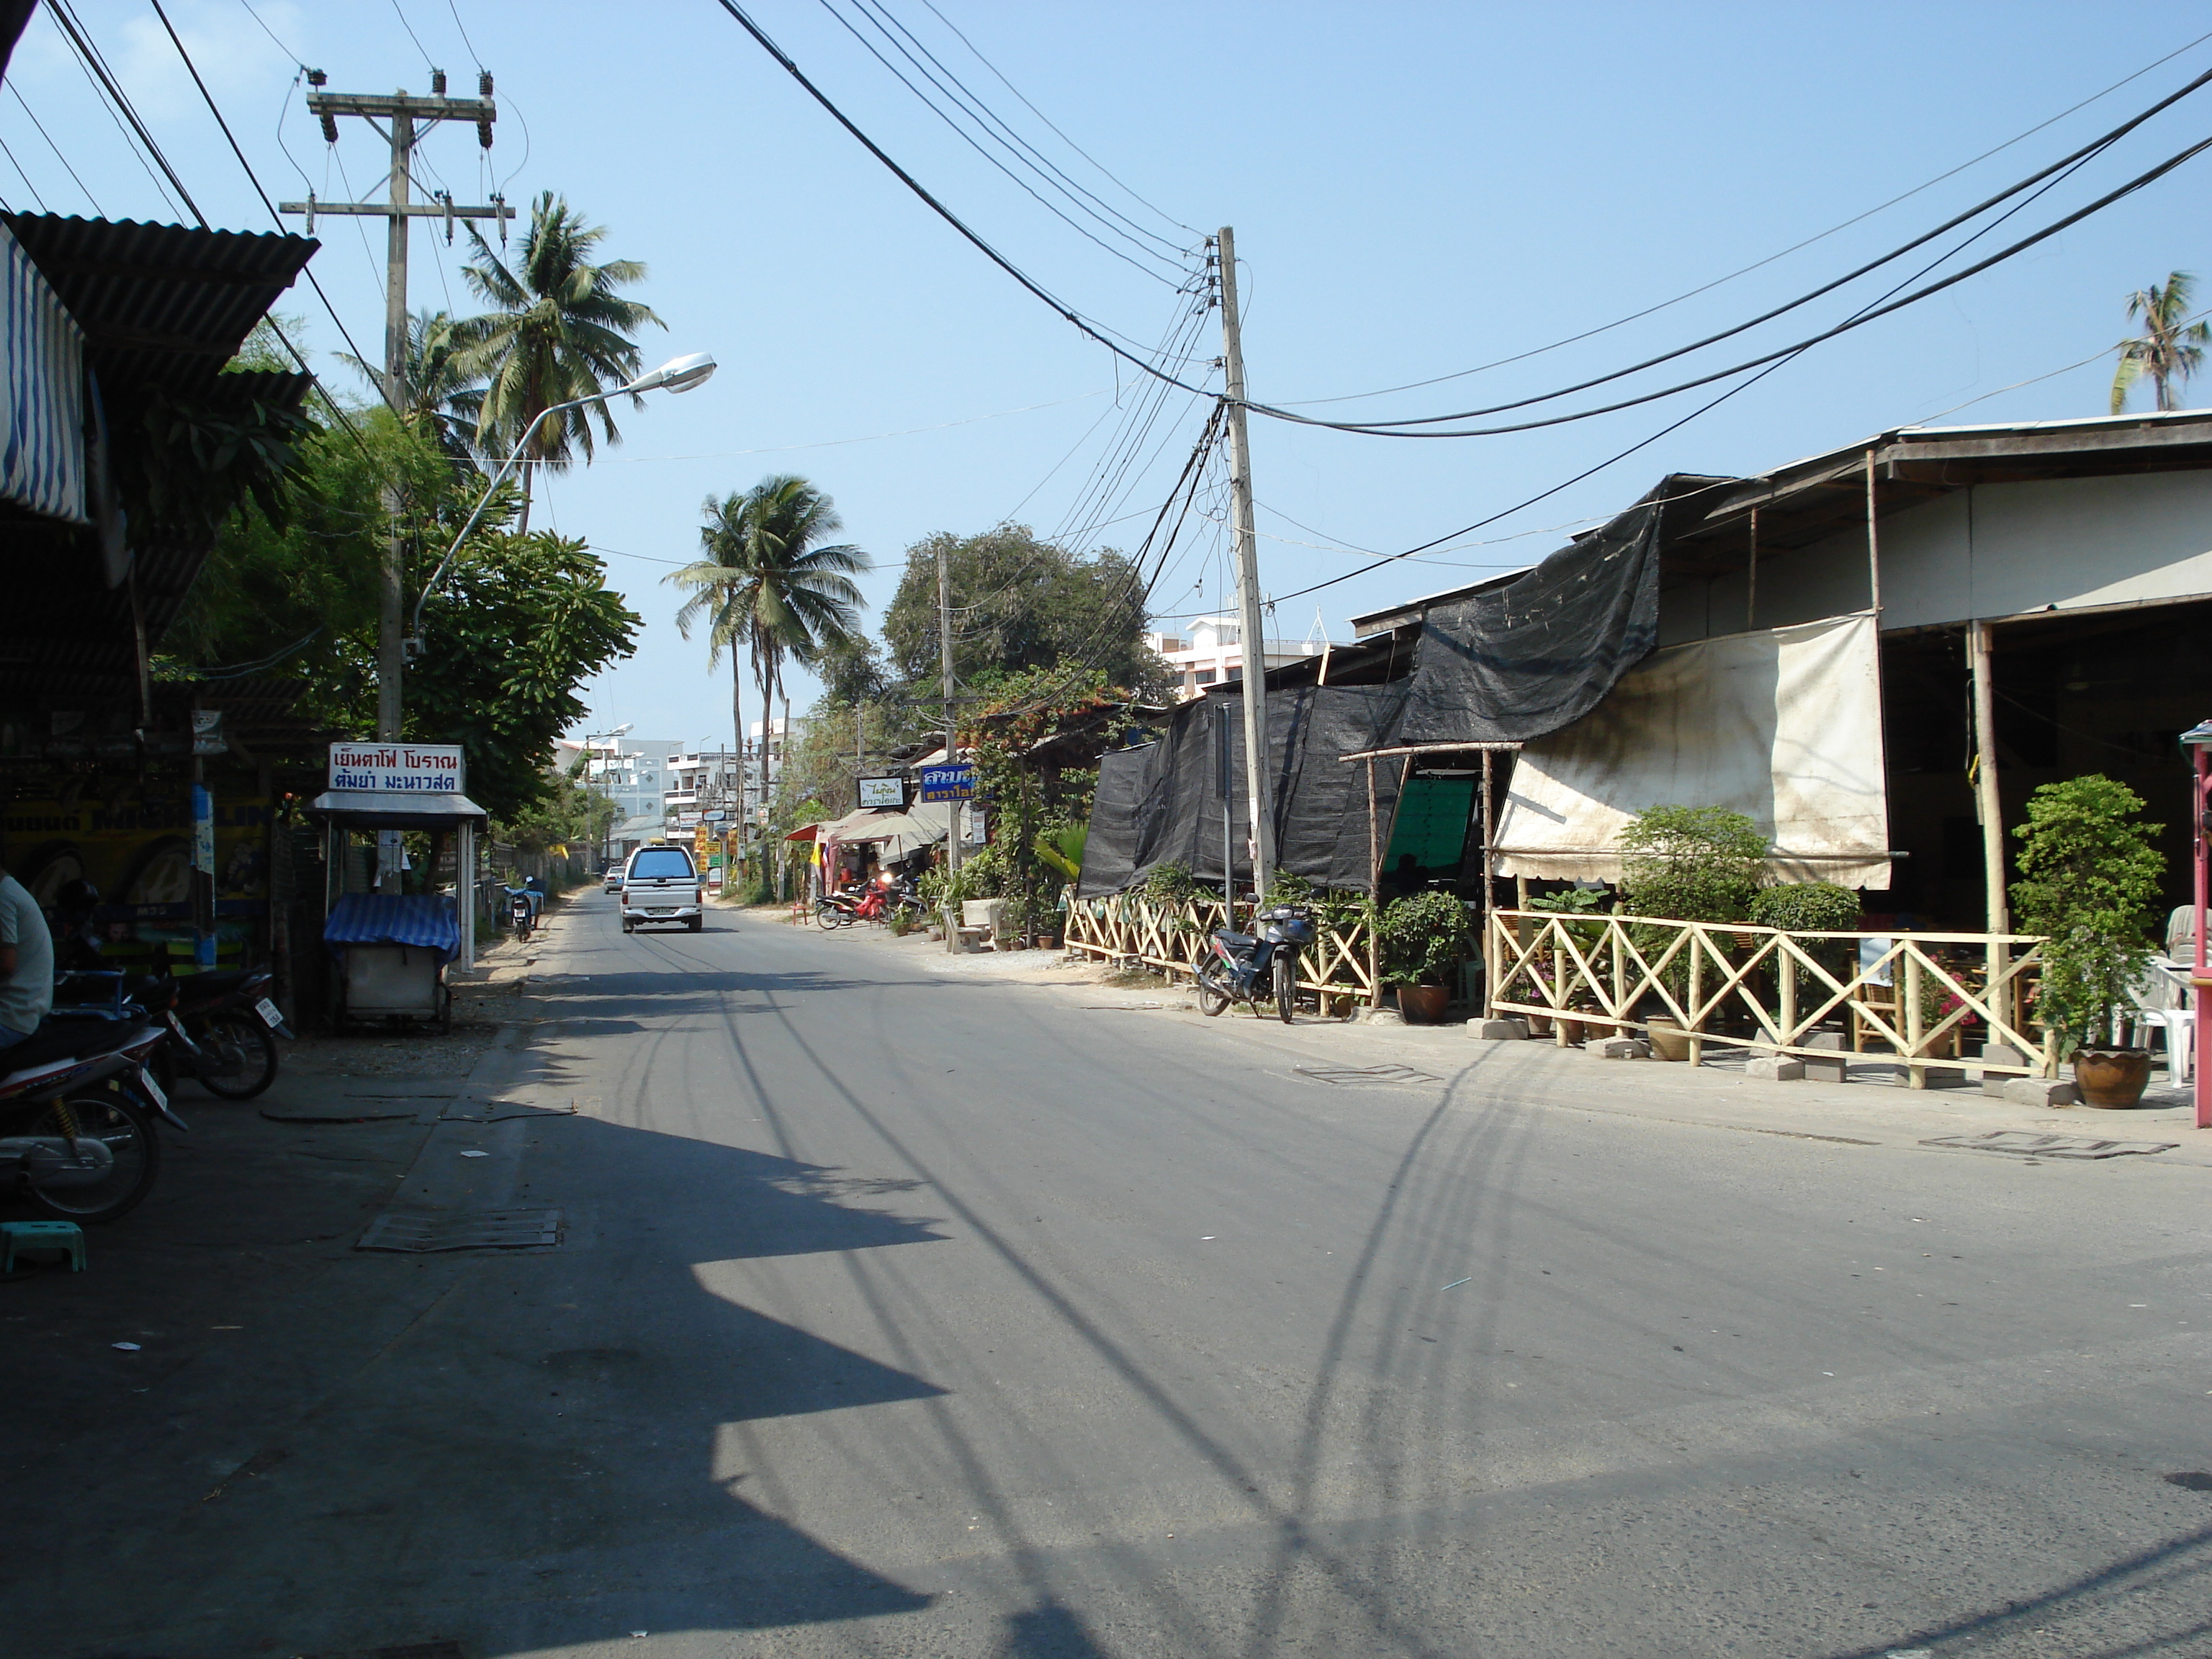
(1211,650)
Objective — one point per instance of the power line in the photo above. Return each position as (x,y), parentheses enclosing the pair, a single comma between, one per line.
(1048,120)
(880,14)
(52,146)
(1757,265)
(1097,333)
(969,140)
(24,176)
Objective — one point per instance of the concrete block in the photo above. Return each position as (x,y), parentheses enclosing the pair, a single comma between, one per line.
(2000,1054)
(1498,1031)
(1827,1071)
(1939,1077)
(1774,1068)
(1618,1048)
(2041,1091)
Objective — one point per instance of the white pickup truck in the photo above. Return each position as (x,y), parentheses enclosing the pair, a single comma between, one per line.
(660,883)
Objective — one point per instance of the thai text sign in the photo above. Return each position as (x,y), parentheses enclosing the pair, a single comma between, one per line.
(413,769)
(883,792)
(948,783)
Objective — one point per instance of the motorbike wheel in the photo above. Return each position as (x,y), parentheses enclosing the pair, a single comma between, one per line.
(256,1048)
(1286,983)
(827,916)
(128,1134)
(1211,998)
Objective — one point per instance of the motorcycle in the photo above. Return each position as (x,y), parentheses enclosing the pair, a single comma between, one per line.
(522,910)
(222,1026)
(77,1111)
(1252,967)
(872,902)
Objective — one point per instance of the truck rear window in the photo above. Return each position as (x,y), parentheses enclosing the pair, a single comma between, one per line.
(662,863)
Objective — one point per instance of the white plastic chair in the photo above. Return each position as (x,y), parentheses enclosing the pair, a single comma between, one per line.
(2162,999)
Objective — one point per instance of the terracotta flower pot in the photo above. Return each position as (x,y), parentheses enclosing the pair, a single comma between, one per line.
(1668,1039)
(1423,1005)
(2112,1077)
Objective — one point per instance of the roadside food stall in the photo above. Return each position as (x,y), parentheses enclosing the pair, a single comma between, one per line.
(391,948)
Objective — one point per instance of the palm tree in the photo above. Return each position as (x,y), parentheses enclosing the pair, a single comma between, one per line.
(768,587)
(2170,349)
(559,332)
(444,398)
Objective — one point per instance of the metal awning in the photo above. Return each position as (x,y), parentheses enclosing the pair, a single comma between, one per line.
(395,809)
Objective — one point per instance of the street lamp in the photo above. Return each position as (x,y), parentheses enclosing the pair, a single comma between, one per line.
(2197,739)
(606,775)
(677,374)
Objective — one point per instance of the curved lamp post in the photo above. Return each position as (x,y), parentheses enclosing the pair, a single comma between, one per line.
(678,374)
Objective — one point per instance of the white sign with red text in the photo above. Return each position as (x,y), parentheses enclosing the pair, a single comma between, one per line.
(411,768)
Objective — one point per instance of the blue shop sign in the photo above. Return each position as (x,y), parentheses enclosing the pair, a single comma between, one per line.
(948,783)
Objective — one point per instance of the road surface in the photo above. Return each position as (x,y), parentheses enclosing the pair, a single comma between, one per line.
(901,1312)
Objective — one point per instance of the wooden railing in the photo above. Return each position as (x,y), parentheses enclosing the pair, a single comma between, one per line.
(1772,992)
(1337,966)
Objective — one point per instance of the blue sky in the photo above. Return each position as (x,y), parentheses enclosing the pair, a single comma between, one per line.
(1416,189)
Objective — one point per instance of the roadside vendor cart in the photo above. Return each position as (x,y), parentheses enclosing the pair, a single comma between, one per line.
(391,949)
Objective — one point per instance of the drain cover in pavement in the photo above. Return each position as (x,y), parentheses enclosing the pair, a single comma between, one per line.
(423,1231)
(2030,1145)
(1352,1076)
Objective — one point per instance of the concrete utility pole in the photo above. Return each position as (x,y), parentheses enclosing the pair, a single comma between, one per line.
(1250,627)
(951,733)
(408,120)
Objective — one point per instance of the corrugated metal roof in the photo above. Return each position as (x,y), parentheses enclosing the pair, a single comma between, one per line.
(161,302)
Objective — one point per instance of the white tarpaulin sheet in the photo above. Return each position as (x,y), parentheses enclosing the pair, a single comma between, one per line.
(1783,725)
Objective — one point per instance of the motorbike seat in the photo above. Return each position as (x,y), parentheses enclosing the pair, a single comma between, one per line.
(217,981)
(1236,941)
(65,1040)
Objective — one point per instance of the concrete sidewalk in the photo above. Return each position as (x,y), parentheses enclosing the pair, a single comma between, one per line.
(1871,1109)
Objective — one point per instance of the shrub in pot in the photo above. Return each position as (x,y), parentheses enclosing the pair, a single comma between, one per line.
(2089,879)
(1424,937)
(1687,864)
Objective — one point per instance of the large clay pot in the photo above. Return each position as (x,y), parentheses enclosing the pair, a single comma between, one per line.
(1424,1004)
(1668,1039)
(2112,1077)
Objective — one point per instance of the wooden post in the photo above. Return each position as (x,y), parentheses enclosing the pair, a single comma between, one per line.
(1874,547)
(1989,807)
(1694,1020)
(1751,576)
(1374,894)
(1908,984)
(1489,895)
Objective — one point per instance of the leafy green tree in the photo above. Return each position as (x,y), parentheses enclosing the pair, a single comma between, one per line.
(2089,880)
(445,392)
(1020,603)
(521,621)
(769,586)
(2170,349)
(559,331)
(1691,864)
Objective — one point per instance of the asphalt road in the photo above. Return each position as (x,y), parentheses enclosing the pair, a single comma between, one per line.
(906,1313)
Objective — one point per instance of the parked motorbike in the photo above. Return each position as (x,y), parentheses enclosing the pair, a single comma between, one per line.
(872,901)
(1252,967)
(222,1026)
(522,910)
(77,1111)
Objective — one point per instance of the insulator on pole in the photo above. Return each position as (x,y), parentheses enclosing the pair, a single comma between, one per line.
(437,84)
(317,78)
(330,128)
(483,83)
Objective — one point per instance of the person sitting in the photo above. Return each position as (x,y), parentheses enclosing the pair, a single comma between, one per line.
(27,963)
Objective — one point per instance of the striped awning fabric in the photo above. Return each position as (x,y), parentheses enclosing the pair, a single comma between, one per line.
(42,461)
(425,919)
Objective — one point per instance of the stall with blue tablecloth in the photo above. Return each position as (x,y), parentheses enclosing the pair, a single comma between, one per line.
(390,949)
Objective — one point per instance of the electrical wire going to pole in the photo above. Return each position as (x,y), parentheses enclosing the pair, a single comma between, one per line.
(56,150)
(1756,265)
(1097,333)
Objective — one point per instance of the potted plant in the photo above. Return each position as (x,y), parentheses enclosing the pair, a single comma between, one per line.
(1687,864)
(1425,937)
(2089,879)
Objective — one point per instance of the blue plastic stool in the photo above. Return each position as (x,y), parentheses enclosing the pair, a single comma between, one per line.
(41,1236)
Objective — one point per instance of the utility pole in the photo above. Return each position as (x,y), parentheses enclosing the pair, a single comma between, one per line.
(951,733)
(1249,627)
(409,119)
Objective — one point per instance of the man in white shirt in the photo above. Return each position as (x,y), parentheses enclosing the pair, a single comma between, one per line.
(27,963)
